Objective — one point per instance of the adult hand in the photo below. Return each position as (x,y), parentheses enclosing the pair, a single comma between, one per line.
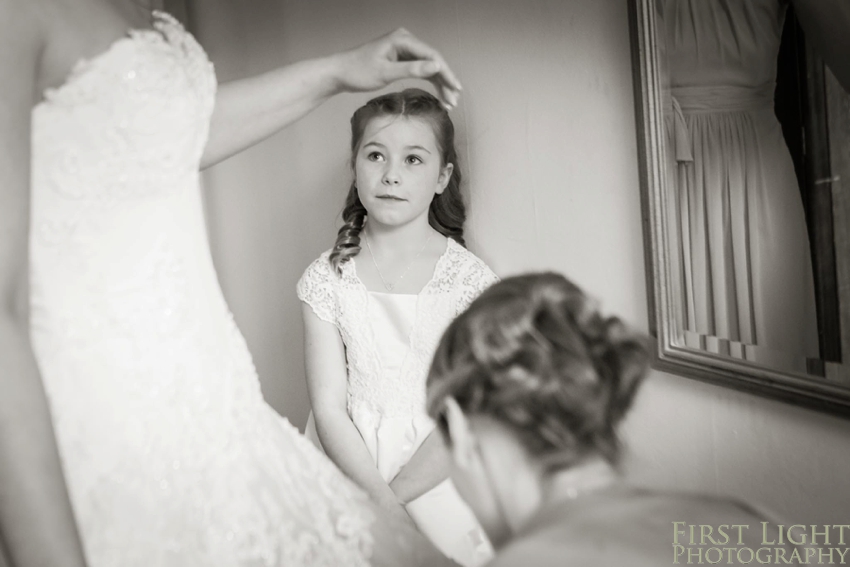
(400,515)
(396,511)
(398,55)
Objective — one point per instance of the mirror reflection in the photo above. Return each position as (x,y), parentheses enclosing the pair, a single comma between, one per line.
(746,281)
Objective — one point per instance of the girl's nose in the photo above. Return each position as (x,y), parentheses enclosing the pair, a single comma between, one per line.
(391,176)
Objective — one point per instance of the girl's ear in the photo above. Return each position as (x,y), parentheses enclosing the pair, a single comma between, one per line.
(462,440)
(445,177)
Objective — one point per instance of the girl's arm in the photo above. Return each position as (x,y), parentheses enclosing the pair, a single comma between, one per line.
(327,385)
(427,468)
(250,110)
(827,27)
(36,524)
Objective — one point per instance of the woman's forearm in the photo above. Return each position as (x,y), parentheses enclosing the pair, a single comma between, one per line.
(250,110)
(36,523)
(427,468)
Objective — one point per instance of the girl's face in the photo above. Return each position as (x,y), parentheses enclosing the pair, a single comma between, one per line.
(399,170)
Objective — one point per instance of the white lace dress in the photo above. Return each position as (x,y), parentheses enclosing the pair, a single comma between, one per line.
(171,454)
(389,341)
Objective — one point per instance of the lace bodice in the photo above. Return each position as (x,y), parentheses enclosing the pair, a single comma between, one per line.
(139,113)
(459,277)
(114,149)
(172,456)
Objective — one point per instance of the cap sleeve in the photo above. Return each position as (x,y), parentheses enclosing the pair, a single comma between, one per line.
(318,289)
(477,278)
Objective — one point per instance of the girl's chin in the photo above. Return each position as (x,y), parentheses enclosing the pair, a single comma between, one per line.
(391,220)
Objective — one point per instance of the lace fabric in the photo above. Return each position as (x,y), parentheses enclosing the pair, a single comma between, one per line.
(171,454)
(389,343)
(459,277)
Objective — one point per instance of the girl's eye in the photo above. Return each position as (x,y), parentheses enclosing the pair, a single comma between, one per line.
(413,160)
(374,156)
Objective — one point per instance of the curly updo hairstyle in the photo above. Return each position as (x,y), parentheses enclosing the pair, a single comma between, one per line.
(534,353)
(447,212)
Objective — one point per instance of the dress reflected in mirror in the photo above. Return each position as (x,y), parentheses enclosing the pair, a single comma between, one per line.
(743,282)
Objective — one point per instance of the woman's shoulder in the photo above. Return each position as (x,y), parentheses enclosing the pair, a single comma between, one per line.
(627,526)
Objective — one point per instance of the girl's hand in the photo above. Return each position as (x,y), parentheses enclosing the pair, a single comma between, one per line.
(398,55)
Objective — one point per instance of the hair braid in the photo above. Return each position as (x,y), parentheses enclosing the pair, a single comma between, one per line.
(348,238)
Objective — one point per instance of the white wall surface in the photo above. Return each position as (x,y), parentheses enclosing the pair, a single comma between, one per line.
(547,141)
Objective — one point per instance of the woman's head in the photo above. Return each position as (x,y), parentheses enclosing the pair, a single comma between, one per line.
(405,168)
(533,361)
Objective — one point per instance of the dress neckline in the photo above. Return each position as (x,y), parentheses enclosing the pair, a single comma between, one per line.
(437,267)
(84,63)
(392,294)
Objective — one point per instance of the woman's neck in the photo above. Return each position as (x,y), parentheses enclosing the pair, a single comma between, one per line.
(587,477)
(547,489)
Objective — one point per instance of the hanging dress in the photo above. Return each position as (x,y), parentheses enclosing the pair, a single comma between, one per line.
(742,278)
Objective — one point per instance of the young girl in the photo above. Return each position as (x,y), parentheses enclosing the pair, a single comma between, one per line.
(375,308)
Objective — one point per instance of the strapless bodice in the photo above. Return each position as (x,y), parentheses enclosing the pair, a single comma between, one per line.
(115,170)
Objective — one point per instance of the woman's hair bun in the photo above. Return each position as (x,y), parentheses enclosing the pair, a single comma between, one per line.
(534,352)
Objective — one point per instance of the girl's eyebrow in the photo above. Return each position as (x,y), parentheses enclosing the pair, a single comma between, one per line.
(382,146)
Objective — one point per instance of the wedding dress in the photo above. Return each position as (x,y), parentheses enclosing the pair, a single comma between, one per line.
(171,455)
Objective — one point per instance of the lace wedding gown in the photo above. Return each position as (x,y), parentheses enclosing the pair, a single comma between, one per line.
(171,455)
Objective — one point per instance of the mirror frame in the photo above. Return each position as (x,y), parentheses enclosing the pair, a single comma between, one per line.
(821,394)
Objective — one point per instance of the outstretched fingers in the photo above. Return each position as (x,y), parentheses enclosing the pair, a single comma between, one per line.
(427,63)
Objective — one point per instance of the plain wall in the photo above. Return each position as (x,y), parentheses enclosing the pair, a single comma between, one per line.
(547,140)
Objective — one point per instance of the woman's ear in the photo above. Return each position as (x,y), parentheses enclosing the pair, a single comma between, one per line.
(462,445)
(445,177)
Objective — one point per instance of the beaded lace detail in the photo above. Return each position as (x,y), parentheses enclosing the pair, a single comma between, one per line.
(459,277)
(171,454)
